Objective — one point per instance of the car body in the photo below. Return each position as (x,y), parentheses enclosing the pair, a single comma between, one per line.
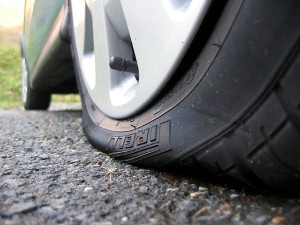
(46,46)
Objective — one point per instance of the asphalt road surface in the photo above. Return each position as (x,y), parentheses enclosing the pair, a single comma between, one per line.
(50,174)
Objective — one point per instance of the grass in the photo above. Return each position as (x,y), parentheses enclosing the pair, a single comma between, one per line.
(69,99)
(10,81)
(10,78)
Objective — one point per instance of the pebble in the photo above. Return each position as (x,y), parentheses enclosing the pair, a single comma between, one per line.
(124,219)
(48,212)
(234,196)
(194,195)
(87,189)
(278,220)
(27,196)
(44,157)
(172,189)
(12,182)
(103,223)
(153,221)
(202,189)
(18,208)
(143,189)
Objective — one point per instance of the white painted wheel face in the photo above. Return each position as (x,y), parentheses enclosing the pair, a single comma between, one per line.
(24,81)
(156,34)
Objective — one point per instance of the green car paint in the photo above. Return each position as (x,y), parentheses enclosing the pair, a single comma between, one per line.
(39,18)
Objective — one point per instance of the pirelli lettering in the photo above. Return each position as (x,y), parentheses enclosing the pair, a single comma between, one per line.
(155,137)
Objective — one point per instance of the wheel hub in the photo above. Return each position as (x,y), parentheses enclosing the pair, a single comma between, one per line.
(150,36)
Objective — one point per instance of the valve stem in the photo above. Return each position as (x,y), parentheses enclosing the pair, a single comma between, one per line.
(121,64)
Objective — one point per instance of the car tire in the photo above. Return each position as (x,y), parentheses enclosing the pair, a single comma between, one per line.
(33,99)
(232,108)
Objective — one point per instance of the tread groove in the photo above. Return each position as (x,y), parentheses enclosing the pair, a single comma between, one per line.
(269,145)
(224,171)
(287,106)
(254,152)
(267,139)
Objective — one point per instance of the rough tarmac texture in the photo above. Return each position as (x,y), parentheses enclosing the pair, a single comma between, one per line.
(50,174)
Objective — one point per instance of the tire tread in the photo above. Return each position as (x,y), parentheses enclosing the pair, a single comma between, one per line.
(263,151)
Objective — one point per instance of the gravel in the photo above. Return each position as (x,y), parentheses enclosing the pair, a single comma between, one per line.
(50,174)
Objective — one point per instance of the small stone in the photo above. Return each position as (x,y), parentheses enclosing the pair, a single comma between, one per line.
(278,220)
(143,189)
(64,180)
(81,217)
(69,191)
(205,218)
(262,219)
(202,189)
(22,183)
(61,219)
(48,212)
(105,211)
(44,157)
(6,167)
(227,209)
(27,196)
(194,195)
(233,196)
(12,183)
(59,204)
(75,161)
(7,172)
(193,186)
(104,223)
(200,212)
(124,219)
(237,217)
(87,189)
(172,189)
(20,208)
(153,221)
(28,149)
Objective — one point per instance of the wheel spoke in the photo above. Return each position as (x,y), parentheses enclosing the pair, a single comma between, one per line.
(161,32)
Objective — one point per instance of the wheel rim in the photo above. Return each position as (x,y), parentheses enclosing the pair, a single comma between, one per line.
(24,81)
(155,34)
